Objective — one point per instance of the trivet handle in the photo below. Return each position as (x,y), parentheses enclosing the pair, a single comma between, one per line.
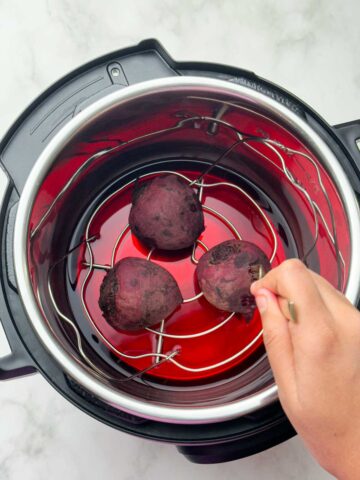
(349,134)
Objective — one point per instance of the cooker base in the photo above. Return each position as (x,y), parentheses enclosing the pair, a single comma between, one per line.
(235,450)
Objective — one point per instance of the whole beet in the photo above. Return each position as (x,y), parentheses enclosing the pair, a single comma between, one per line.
(226,272)
(166,213)
(137,293)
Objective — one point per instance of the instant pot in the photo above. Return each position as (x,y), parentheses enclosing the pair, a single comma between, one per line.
(277,174)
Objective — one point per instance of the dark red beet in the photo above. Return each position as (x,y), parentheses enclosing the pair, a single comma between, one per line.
(166,213)
(137,293)
(226,272)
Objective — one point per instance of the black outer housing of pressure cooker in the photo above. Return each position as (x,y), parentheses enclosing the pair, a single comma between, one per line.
(19,150)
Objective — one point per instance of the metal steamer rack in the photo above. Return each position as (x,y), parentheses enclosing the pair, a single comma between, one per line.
(278,150)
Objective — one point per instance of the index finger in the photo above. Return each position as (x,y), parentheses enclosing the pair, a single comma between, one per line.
(293,281)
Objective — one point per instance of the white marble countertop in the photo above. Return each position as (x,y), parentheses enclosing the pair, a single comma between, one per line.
(310,47)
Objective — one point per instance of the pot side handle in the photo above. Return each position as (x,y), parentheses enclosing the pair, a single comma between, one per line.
(17,363)
(349,134)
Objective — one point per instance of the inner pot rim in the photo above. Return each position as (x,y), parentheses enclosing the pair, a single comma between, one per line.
(79,372)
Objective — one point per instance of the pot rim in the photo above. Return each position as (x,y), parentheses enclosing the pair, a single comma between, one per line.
(77,371)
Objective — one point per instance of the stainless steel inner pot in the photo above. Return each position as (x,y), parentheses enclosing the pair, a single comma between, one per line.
(139,107)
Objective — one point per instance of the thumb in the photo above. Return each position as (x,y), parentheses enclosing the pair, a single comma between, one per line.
(277,339)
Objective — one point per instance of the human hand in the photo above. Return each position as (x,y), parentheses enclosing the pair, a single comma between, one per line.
(315,361)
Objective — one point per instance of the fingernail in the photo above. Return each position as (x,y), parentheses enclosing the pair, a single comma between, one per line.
(261,303)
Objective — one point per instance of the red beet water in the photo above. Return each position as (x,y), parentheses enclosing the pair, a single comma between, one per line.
(189,318)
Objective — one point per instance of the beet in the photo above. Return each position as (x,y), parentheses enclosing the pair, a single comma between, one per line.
(166,213)
(137,293)
(226,272)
